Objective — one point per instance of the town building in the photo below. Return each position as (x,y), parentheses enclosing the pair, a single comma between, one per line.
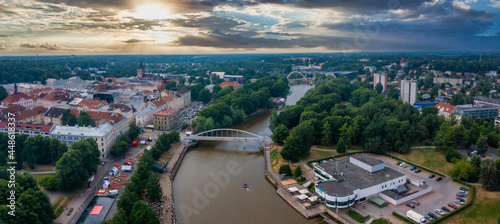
(380,78)
(166,119)
(53,116)
(18,98)
(185,95)
(486,101)
(445,110)
(49,100)
(356,179)
(31,130)
(71,83)
(408,91)
(472,111)
(403,62)
(71,134)
(144,117)
(452,81)
(32,116)
(122,109)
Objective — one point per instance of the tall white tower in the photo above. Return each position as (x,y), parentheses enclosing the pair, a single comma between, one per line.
(408,91)
(381,78)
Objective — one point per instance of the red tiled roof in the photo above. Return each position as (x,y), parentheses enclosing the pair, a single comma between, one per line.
(111,118)
(447,108)
(14,98)
(93,104)
(159,103)
(12,109)
(166,112)
(235,84)
(168,98)
(33,127)
(30,113)
(42,90)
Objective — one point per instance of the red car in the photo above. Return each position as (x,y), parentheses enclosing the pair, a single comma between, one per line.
(452,205)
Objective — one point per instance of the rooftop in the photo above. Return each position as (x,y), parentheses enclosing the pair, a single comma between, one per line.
(166,112)
(445,107)
(54,112)
(487,99)
(33,127)
(82,131)
(146,110)
(354,177)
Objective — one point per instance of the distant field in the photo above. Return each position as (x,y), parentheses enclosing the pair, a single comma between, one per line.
(426,157)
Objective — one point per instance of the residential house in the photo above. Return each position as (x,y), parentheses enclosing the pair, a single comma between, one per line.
(234,84)
(166,119)
(445,110)
(33,115)
(91,105)
(31,130)
(53,116)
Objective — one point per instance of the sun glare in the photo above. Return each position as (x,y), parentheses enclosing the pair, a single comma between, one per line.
(151,11)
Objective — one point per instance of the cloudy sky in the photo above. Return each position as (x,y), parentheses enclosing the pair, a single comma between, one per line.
(50,27)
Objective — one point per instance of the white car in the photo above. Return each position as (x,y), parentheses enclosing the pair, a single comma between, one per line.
(459,202)
(463,192)
(439,211)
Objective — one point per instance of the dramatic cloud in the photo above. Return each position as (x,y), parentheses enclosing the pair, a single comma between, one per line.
(193,26)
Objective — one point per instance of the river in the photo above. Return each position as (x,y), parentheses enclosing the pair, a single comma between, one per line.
(208,187)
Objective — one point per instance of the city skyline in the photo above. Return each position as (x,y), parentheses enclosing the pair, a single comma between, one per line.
(51,27)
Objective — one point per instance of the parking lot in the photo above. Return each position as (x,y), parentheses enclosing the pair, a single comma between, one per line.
(442,193)
(191,111)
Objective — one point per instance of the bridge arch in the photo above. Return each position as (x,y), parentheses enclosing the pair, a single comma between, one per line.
(303,76)
(227,134)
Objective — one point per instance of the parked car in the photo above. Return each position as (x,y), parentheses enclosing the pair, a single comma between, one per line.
(405,165)
(463,192)
(469,154)
(423,181)
(415,202)
(418,171)
(482,156)
(461,195)
(438,211)
(464,189)
(461,199)
(413,167)
(428,217)
(459,202)
(432,176)
(452,205)
(439,178)
(399,163)
(445,209)
(410,205)
(432,215)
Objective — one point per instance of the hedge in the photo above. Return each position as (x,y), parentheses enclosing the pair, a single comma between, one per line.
(471,200)
(403,218)
(419,166)
(309,163)
(358,217)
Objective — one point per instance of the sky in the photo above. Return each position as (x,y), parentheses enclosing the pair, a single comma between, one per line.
(55,27)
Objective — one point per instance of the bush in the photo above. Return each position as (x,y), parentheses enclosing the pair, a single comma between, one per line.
(358,217)
(311,187)
(49,183)
(381,221)
(301,180)
(285,169)
(297,172)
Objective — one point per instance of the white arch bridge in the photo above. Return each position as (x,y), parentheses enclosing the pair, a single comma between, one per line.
(226,134)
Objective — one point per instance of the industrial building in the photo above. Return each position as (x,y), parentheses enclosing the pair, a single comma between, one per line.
(355,179)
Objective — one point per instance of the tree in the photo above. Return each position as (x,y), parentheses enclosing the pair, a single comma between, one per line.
(153,187)
(379,87)
(205,96)
(143,214)
(285,169)
(342,145)
(50,183)
(118,148)
(297,172)
(482,144)
(119,218)
(171,85)
(490,174)
(299,143)
(85,120)
(70,171)
(3,93)
(68,118)
(465,171)
(280,134)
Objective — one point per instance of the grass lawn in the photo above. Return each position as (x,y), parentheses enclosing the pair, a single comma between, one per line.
(61,203)
(318,154)
(167,156)
(485,210)
(381,221)
(277,161)
(39,167)
(39,177)
(358,217)
(426,157)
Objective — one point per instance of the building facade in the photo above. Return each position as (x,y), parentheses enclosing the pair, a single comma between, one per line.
(408,91)
(380,78)
(472,111)
(53,116)
(166,119)
(445,110)
(452,81)
(31,130)
(486,101)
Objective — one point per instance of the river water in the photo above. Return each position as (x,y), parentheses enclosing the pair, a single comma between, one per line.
(208,187)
